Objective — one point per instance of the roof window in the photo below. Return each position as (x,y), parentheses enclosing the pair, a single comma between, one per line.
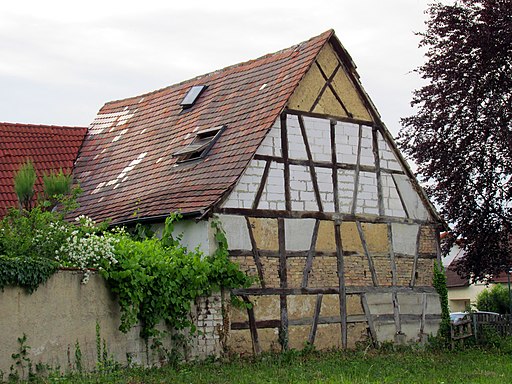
(192,96)
(200,146)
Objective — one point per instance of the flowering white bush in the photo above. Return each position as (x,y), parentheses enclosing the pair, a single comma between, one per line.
(87,248)
(51,235)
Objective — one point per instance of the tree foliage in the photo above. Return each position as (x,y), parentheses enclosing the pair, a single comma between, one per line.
(461,133)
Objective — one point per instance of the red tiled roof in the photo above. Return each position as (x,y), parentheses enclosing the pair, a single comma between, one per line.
(453,279)
(125,166)
(49,147)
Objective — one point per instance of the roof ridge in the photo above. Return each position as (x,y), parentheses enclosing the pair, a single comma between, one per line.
(328,34)
(19,125)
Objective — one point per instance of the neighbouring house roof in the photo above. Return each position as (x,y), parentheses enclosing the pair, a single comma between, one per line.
(453,280)
(133,163)
(48,147)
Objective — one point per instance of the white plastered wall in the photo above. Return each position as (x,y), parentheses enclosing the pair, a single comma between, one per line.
(354,146)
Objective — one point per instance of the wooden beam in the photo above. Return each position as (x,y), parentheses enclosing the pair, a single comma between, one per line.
(334,160)
(343,119)
(255,253)
(261,187)
(284,150)
(416,256)
(394,280)
(328,84)
(357,170)
(423,314)
(283,283)
(316,318)
(311,254)
(324,87)
(342,287)
(252,326)
(401,197)
(369,319)
(392,260)
(371,266)
(311,164)
(289,254)
(349,290)
(376,155)
(326,164)
(396,313)
(351,319)
(333,216)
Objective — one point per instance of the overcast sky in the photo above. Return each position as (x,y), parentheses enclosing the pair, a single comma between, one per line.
(60,61)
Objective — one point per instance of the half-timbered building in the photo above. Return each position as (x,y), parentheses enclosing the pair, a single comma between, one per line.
(289,153)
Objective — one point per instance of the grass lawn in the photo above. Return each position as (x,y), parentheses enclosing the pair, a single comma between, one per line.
(470,366)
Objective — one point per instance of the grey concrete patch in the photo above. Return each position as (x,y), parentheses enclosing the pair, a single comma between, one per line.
(404,238)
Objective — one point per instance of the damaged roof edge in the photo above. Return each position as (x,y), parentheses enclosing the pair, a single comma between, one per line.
(159,218)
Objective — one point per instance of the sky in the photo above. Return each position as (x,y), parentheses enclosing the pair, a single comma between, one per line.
(60,61)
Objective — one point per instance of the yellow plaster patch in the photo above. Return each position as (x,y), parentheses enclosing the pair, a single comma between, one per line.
(266,307)
(269,339)
(301,306)
(376,236)
(350,96)
(240,341)
(298,335)
(329,105)
(354,306)
(265,233)
(350,238)
(307,91)
(325,241)
(327,60)
(330,305)
(239,315)
(356,334)
(328,336)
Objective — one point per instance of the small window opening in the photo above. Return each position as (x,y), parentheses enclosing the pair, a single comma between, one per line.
(192,96)
(200,146)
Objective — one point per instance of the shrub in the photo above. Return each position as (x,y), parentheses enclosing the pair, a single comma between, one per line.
(32,234)
(495,299)
(87,246)
(157,280)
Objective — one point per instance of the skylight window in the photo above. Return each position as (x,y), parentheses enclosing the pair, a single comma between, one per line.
(192,96)
(200,146)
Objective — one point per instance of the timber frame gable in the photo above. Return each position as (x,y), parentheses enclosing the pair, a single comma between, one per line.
(315,198)
(331,221)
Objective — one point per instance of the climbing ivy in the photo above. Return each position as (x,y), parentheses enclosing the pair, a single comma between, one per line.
(25,272)
(439,283)
(158,279)
(155,279)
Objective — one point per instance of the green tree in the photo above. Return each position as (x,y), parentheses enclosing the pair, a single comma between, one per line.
(461,135)
(495,299)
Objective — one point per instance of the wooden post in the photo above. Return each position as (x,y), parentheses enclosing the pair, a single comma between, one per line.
(316,317)
(283,331)
(341,282)
(252,326)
